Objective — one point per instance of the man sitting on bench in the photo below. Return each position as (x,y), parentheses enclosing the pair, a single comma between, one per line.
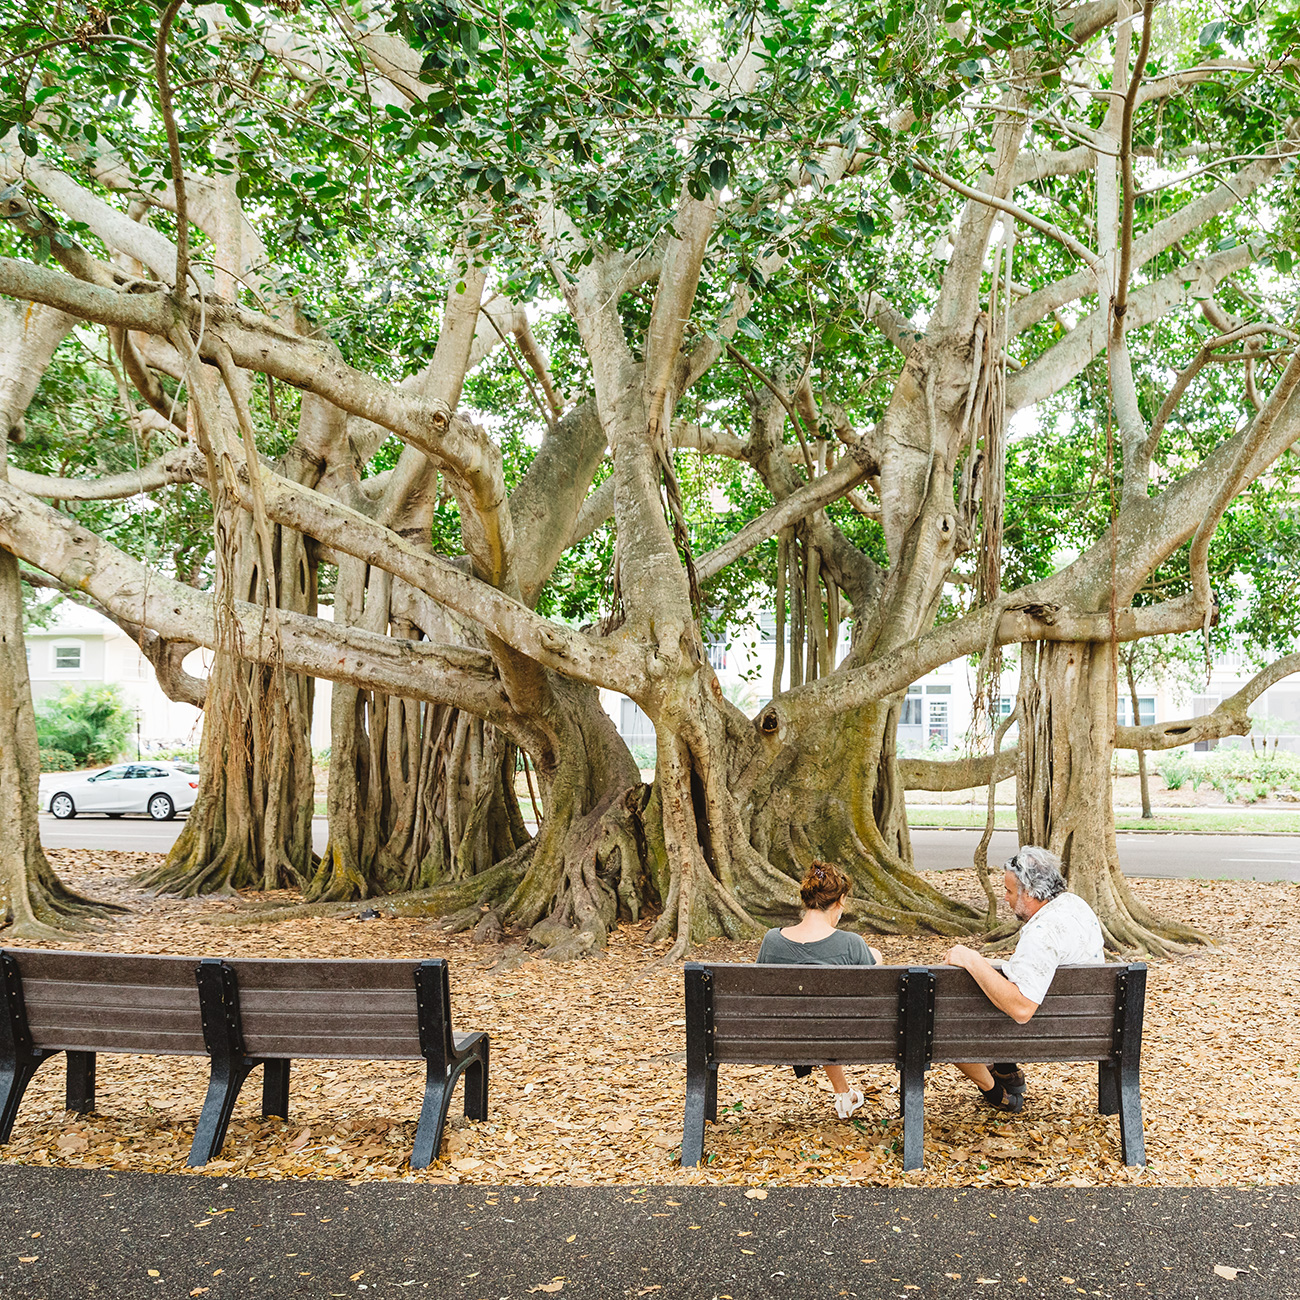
(1060,929)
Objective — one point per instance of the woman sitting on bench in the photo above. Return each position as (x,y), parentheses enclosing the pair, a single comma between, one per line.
(816,942)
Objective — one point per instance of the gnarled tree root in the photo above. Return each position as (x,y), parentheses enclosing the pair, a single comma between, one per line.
(490,886)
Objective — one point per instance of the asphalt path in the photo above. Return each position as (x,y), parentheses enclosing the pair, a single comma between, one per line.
(68,1233)
(1197,857)
(1200,857)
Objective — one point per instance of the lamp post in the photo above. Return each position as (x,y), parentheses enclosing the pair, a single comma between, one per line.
(137,733)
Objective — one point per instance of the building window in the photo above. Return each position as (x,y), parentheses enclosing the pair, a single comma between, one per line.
(717,655)
(1005,704)
(938,690)
(767,627)
(911,708)
(937,732)
(1146,711)
(67,658)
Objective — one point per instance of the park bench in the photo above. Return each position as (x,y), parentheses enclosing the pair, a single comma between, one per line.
(908,1017)
(240,1014)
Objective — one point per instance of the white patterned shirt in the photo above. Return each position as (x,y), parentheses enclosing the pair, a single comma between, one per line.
(1064,932)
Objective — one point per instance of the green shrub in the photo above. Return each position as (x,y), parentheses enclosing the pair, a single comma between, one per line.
(1174,770)
(90,723)
(57,760)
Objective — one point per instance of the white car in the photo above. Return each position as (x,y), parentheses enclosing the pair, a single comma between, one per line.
(160,789)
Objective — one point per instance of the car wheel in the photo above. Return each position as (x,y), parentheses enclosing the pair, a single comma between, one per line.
(63,807)
(161,808)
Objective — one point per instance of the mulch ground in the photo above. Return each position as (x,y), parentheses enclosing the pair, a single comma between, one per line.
(588,1069)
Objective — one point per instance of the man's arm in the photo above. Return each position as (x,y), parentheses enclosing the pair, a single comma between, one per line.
(1004,995)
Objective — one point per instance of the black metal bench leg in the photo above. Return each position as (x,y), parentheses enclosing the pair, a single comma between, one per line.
(275,1089)
(223,1090)
(15,1075)
(80,1095)
(476,1083)
(433,1118)
(1130,1118)
(911,1087)
(711,1095)
(697,1111)
(1107,1088)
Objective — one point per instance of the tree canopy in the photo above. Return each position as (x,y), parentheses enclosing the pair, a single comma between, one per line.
(465,318)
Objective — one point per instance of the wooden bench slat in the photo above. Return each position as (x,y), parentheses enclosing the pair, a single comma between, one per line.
(272,1024)
(1034,1049)
(104,968)
(292,1047)
(860,1029)
(762,1051)
(995,1027)
(1068,981)
(95,1039)
(323,974)
(310,1002)
(754,1004)
(125,1020)
(812,981)
(960,1005)
(49,997)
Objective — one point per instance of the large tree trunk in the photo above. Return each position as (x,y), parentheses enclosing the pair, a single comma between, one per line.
(592,860)
(1063,788)
(419,794)
(34,903)
(833,792)
(250,827)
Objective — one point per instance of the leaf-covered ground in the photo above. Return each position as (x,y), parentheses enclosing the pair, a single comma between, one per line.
(588,1069)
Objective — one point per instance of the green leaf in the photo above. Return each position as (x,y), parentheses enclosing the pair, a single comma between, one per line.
(719,170)
(901,180)
(1210,33)
(745,325)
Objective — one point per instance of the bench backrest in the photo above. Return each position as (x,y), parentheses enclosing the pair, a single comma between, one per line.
(287,1008)
(358,1010)
(110,1002)
(798,1015)
(1076,1020)
(812,1015)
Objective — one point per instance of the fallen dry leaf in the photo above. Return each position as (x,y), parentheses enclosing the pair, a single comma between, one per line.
(549,1287)
(756,1194)
(1224,1270)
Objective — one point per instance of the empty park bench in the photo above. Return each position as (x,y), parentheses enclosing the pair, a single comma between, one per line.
(240,1014)
(908,1017)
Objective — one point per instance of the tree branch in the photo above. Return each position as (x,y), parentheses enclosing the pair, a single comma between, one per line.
(1230,718)
(180,465)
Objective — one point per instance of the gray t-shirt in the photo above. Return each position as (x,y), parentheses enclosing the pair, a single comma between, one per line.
(843,948)
(1064,932)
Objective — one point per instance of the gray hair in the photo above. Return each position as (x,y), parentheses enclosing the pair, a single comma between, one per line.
(1038,873)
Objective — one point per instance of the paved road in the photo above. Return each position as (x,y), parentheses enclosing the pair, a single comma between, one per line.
(69,1233)
(1202,857)
(133,831)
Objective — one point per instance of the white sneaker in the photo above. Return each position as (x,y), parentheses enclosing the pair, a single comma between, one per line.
(847,1102)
